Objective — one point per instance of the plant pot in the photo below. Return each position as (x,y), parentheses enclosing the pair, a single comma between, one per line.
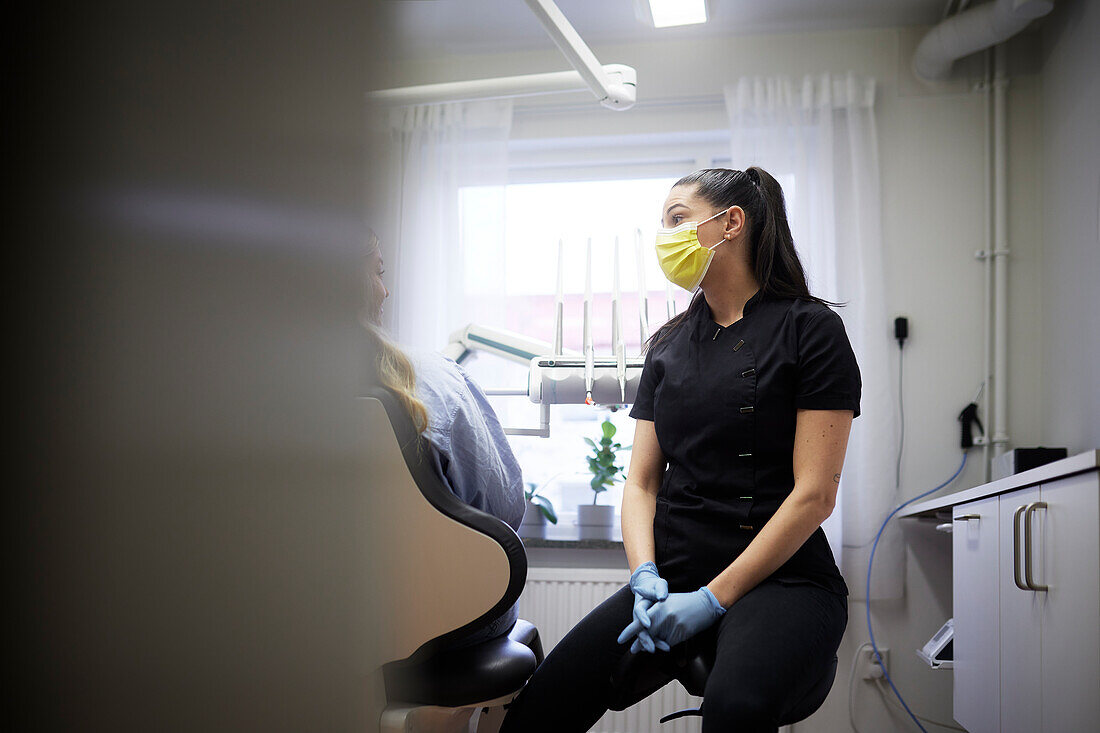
(534,523)
(595,521)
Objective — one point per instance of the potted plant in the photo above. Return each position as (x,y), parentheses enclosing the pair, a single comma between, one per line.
(596,520)
(540,510)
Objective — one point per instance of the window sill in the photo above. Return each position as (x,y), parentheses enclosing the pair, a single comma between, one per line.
(568,536)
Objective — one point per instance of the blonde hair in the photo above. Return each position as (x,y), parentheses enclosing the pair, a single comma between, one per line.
(367,293)
(391,368)
(388,365)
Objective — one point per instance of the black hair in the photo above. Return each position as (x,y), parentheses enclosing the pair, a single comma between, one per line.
(772,255)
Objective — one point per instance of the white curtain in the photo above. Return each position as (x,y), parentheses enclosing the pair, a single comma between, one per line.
(817,137)
(437,150)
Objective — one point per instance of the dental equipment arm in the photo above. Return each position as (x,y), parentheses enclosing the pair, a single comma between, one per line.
(614,85)
(557,375)
(505,344)
(612,93)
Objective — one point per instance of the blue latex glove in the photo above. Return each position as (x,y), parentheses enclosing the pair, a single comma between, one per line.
(683,615)
(642,639)
(649,587)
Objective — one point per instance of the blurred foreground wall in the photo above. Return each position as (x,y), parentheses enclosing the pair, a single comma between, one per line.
(188,499)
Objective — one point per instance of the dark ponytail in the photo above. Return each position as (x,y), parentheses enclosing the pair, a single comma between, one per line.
(772,256)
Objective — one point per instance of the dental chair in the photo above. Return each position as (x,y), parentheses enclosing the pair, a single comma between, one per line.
(443,570)
(690,664)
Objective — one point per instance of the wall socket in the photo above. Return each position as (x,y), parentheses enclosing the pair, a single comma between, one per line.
(866,667)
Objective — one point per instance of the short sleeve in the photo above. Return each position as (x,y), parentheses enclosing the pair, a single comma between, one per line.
(828,376)
(647,385)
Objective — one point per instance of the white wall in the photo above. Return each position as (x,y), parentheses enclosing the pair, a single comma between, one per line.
(932,144)
(1070,142)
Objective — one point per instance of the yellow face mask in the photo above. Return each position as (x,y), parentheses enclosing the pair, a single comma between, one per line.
(681,256)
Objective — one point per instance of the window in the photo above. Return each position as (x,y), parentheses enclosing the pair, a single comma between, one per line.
(571,190)
(537,216)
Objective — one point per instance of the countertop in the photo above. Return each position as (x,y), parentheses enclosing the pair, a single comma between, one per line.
(1080,463)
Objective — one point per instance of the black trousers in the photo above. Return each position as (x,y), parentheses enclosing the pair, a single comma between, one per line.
(772,646)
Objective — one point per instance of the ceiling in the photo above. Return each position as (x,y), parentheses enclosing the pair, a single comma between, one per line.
(458,27)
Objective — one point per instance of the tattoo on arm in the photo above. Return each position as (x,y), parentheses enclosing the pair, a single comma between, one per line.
(836,478)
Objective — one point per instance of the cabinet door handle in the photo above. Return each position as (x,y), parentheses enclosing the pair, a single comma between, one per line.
(1027,544)
(966,517)
(1016,547)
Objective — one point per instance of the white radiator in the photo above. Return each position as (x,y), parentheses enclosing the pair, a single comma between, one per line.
(555,599)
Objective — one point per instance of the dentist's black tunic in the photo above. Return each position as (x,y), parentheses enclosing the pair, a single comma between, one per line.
(724,403)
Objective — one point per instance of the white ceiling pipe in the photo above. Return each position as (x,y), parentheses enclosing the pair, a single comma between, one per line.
(1000,251)
(972,31)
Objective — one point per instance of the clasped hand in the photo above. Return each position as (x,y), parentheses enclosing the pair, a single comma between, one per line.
(649,587)
(666,623)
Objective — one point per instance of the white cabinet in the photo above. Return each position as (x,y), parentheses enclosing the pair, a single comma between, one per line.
(1020,614)
(974,550)
(1026,579)
(1070,567)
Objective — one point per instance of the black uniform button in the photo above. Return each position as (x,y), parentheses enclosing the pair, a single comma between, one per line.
(748,372)
(738,345)
(746,410)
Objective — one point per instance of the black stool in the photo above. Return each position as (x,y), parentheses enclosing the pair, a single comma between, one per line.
(690,664)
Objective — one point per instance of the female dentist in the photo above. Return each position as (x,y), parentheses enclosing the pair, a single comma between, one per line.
(743,413)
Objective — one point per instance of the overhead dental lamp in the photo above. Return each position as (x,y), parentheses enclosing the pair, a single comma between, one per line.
(614,85)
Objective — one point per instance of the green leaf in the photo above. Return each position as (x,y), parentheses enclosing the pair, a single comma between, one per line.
(546,507)
(608,429)
(590,442)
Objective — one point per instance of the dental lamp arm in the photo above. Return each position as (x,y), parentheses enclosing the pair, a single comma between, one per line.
(614,85)
(617,93)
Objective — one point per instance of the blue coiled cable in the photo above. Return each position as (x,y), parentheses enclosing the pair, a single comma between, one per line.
(870,564)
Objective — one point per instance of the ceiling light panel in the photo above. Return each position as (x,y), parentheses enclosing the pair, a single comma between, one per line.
(666,13)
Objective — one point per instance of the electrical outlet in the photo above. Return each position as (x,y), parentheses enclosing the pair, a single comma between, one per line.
(867,668)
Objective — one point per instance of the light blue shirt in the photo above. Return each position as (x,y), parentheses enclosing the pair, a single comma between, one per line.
(478,463)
